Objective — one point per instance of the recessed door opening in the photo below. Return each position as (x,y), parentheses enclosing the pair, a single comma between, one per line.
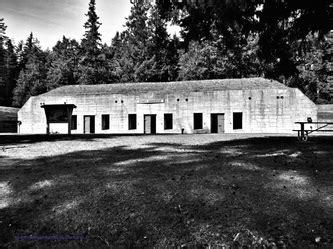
(149,124)
(89,124)
(237,120)
(217,122)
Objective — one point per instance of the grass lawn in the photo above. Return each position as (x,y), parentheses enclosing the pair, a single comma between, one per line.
(227,191)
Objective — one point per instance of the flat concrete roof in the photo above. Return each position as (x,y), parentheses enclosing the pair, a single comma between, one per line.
(167,87)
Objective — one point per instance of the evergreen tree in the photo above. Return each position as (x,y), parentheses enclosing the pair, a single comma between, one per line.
(20,54)
(161,70)
(278,23)
(133,62)
(299,17)
(196,24)
(91,42)
(173,58)
(64,64)
(116,44)
(3,70)
(144,51)
(26,50)
(31,82)
(3,28)
(12,71)
(93,68)
(121,60)
(32,77)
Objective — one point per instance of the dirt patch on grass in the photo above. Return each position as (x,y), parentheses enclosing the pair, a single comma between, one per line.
(160,191)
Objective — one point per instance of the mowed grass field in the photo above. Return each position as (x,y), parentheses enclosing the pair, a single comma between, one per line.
(226,191)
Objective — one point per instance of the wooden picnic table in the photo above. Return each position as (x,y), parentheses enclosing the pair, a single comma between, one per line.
(303,133)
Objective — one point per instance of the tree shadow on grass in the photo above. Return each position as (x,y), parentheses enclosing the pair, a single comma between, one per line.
(15,139)
(266,190)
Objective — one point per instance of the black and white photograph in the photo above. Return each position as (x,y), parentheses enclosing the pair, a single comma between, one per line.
(166,124)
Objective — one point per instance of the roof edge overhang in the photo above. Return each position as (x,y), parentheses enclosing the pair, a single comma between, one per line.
(57,105)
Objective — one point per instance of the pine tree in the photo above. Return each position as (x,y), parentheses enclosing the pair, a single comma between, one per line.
(91,42)
(93,67)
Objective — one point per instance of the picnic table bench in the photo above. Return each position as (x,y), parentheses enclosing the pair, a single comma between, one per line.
(303,134)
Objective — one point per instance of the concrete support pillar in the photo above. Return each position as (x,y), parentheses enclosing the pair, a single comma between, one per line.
(69,114)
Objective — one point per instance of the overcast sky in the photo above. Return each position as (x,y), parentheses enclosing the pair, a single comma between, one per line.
(49,20)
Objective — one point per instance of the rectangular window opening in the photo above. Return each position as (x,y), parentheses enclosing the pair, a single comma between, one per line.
(197,121)
(74,122)
(168,121)
(238,120)
(105,122)
(131,121)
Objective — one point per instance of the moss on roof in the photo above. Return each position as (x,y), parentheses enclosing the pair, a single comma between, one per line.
(167,87)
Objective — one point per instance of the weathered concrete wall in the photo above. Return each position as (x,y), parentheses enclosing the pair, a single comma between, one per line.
(32,117)
(264,111)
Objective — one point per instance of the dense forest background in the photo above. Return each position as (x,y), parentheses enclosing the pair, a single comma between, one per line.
(287,40)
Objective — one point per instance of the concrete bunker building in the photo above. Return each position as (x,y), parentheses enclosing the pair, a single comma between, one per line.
(251,105)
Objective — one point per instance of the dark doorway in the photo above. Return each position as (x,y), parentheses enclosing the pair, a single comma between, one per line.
(150,124)
(89,124)
(168,124)
(74,122)
(238,120)
(197,121)
(217,122)
(132,121)
(105,122)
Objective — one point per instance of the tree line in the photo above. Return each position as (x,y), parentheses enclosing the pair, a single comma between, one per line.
(219,39)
